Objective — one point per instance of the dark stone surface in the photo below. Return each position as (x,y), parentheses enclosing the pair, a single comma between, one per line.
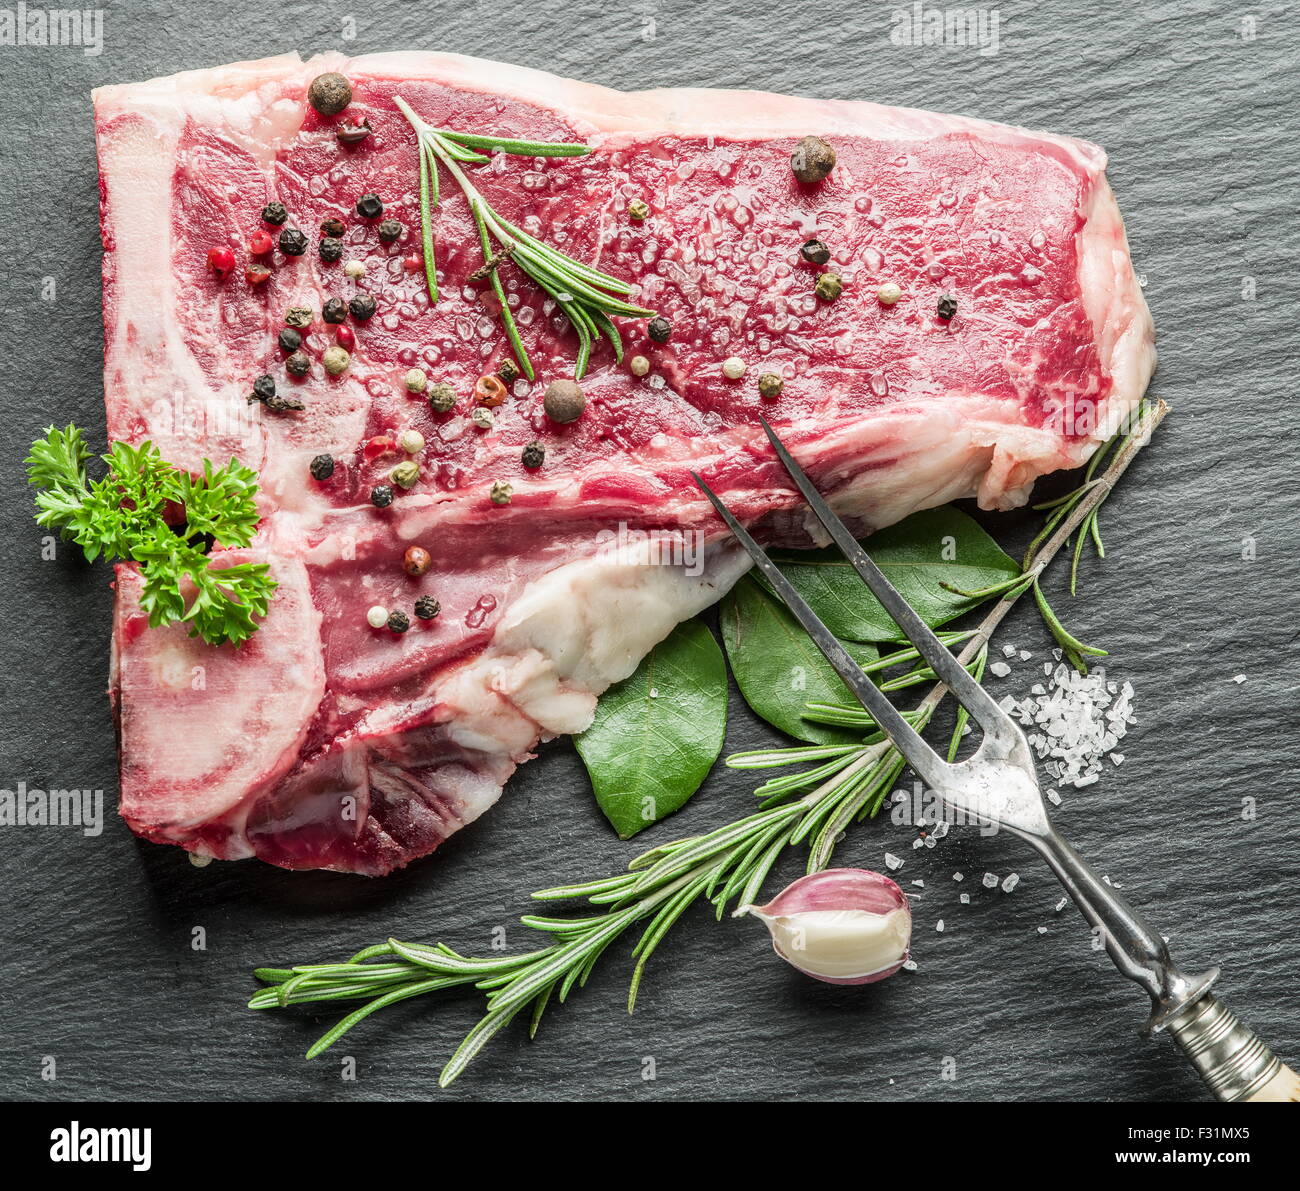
(1200,122)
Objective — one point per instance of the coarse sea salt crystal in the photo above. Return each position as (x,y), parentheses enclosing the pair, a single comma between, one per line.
(1010,881)
(1042,930)
(1238,678)
(964,899)
(909,965)
(959,876)
(892,862)
(920,884)
(999,669)
(1079,719)
(990,881)
(938,926)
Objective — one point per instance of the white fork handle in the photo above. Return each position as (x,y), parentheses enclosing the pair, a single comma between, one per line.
(1230,1056)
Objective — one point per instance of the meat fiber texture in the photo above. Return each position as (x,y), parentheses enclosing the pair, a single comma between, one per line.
(325,743)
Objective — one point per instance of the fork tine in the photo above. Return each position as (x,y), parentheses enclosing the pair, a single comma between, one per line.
(981,705)
(917,752)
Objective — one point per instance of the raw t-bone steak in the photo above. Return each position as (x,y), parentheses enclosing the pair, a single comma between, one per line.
(326,743)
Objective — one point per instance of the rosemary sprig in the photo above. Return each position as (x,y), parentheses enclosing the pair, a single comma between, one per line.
(587,297)
(727,865)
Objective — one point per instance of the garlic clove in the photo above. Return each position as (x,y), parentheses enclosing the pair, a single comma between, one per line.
(840,926)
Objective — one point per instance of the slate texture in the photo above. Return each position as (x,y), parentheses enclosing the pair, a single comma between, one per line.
(1195,103)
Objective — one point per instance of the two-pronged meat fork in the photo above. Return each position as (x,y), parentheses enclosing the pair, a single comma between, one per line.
(998,785)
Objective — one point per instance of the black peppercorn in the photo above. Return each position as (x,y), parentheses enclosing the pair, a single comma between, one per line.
(353,134)
(508,372)
(331,249)
(289,339)
(947,307)
(362,306)
(381,496)
(815,252)
(398,622)
(292,242)
(332,227)
(264,391)
(298,364)
(659,329)
(322,467)
(334,311)
(329,93)
(534,455)
(389,230)
(369,206)
(274,213)
(426,607)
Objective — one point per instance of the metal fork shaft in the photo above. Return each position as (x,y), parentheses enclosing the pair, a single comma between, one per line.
(1137,948)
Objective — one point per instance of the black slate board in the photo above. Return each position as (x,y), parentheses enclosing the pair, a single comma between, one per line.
(1196,108)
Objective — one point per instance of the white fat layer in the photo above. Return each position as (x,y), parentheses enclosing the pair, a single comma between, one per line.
(571,634)
(841,944)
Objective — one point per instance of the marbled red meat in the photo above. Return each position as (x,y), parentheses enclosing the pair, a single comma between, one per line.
(325,743)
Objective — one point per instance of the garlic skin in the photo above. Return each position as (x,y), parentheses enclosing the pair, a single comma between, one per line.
(840,926)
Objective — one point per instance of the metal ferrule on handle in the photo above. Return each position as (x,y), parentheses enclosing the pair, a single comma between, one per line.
(1230,1056)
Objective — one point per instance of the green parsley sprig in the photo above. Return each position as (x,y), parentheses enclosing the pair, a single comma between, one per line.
(122,516)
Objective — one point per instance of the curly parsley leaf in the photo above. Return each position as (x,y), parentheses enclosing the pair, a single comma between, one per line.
(121,516)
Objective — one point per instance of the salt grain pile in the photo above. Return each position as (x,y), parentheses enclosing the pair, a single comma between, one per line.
(1073,725)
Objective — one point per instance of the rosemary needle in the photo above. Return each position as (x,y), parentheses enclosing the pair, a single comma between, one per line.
(586,296)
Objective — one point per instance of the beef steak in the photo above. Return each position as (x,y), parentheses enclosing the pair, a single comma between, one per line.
(327,743)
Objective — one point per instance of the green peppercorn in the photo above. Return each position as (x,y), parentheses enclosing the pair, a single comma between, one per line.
(298,364)
(362,306)
(508,372)
(829,287)
(329,93)
(299,316)
(770,385)
(336,359)
(405,475)
(274,213)
(389,230)
(369,206)
(812,160)
(331,249)
(947,307)
(442,397)
(426,607)
(381,496)
(322,467)
(638,209)
(292,242)
(815,252)
(398,622)
(289,339)
(659,329)
(534,455)
(334,311)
